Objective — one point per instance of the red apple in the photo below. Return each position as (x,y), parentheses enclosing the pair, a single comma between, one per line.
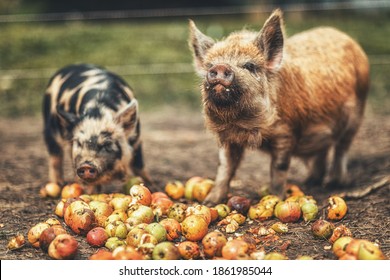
(97,237)
(63,247)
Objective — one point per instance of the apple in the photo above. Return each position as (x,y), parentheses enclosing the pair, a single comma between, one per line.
(116,228)
(234,249)
(189,186)
(158,231)
(134,237)
(72,191)
(189,250)
(201,210)
(309,211)
(177,211)
(340,245)
(138,213)
(322,229)
(202,189)
(287,211)
(114,242)
(260,212)
(175,189)
(223,210)
(35,232)
(337,208)
(63,247)
(165,251)
(239,203)
(126,253)
(194,227)
(213,243)
(50,190)
(275,256)
(97,237)
(79,217)
(172,227)
(141,195)
(101,254)
(48,235)
(161,206)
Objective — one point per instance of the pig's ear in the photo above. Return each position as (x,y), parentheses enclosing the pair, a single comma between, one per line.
(128,115)
(67,117)
(199,44)
(270,40)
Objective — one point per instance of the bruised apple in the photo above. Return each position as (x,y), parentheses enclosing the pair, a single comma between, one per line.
(239,203)
(79,217)
(337,208)
(172,227)
(213,243)
(322,229)
(189,250)
(201,210)
(177,211)
(48,236)
(141,195)
(63,247)
(35,232)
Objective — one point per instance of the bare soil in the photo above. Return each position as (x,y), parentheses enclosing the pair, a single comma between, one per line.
(177,146)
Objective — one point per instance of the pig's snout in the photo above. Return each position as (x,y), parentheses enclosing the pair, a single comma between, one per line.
(87,172)
(220,74)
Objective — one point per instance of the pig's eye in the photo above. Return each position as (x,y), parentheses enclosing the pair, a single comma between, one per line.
(107,146)
(77,142)
(251,67)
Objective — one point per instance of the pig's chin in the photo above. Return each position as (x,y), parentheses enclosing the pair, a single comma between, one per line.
(220,95)
(104,178)
(95,181)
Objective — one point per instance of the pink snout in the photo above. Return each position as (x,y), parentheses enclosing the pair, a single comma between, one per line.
(87,172)
(220,74)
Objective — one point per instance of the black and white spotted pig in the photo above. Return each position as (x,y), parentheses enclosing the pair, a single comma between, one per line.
(95,112)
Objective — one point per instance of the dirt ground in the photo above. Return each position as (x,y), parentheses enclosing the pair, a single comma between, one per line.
(177,146)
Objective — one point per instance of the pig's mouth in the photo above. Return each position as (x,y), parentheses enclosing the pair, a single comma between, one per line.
(221,95)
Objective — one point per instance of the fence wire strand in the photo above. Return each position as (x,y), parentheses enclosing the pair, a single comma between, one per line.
(198,11)
(174,68)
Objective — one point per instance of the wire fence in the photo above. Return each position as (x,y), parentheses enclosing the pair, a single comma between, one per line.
(199,11)
(136,69)
(174,68)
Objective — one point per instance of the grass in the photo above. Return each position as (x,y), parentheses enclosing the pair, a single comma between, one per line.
(45,47)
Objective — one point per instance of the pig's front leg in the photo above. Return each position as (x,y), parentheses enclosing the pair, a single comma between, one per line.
(138,167)
(280,162)
(229,159)
(55,168)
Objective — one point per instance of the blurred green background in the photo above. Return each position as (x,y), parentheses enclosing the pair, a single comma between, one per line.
(146,43)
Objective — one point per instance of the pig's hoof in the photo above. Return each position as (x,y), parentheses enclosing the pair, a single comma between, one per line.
(337,184)
(313,182)
(214,198)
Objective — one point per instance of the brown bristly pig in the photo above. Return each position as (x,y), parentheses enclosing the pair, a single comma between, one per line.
(297,96)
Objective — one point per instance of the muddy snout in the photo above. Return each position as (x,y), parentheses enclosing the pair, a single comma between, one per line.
(220,77)
(87,172)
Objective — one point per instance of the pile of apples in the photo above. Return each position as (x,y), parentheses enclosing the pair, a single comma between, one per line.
(174,224)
